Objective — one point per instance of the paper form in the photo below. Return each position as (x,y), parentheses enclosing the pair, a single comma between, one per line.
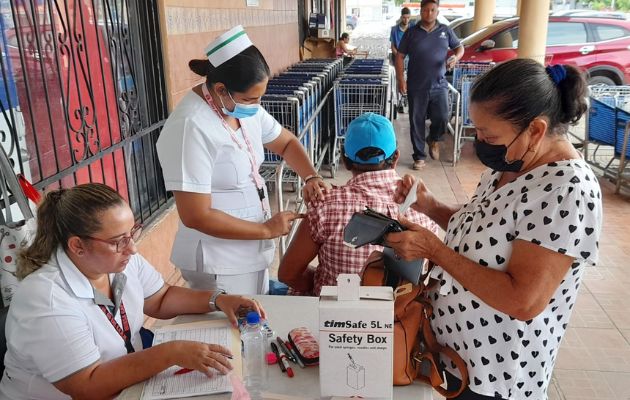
(166,385)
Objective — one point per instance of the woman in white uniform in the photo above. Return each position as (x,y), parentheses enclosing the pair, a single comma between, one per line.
(73,325)
(211,149)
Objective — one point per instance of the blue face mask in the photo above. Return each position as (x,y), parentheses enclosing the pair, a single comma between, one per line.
(240,110)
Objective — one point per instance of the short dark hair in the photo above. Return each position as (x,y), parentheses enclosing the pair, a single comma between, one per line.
(425,2)
(405,11)
(533,94)
(344,35)
(367,153)
(238,74)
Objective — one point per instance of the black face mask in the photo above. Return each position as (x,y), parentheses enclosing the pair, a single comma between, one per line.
(493,156)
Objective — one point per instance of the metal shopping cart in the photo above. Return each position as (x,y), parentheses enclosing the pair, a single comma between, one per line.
(464,75)
(354,96)
(605,144)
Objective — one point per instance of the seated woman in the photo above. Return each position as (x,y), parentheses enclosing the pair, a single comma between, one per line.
(73,325)
(344,49)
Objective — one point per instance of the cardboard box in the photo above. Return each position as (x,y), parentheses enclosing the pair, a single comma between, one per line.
(323,33)
(356,333)
(317,48)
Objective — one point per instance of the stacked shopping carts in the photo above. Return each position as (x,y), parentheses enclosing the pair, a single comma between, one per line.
(606,142)
(292,98)
(362,87)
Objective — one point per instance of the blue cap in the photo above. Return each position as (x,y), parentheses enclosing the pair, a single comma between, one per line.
(253,317)
(370,130)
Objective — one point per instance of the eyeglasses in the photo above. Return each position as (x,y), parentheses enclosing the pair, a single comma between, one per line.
(122,243)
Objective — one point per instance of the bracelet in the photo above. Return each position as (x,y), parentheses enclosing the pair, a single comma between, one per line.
(213,299)
(312,176)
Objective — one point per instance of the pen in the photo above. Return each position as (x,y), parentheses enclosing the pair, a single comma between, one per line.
(284,349)
(274,348)
(283,360)
(294,353)
(183,371)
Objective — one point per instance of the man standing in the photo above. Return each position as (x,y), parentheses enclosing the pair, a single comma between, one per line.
(399,30)
(427,45)
(396,35)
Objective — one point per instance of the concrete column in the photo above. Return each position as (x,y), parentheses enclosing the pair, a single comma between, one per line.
(532,37)
(484,11)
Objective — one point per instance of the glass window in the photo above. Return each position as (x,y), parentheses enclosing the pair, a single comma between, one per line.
(608,32)
(566,33)
(507,39)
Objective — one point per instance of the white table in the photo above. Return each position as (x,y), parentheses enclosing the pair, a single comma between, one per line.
(285,313)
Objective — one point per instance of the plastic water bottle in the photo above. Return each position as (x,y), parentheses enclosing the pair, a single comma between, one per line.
(255,371)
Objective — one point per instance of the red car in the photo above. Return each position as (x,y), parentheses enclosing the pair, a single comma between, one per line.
(598,46)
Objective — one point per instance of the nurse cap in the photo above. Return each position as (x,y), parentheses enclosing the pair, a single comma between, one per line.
(227,45)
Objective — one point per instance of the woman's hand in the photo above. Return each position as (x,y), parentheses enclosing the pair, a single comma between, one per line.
(280,223)
(315,189)
(231,305)
(425,200)
(414,243)
(203,357)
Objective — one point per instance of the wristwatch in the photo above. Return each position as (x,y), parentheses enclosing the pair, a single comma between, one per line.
(213,299)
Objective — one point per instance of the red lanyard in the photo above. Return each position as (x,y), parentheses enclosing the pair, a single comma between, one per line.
(125,331)
(259,182)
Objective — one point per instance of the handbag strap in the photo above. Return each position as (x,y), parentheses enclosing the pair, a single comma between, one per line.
(10,186)
(432,349)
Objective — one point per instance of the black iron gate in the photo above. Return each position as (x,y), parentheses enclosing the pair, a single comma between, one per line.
(83,96)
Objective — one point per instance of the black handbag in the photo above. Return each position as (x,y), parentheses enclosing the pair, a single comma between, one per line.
(371,227)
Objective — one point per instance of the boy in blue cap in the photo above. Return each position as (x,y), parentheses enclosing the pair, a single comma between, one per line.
(370,153)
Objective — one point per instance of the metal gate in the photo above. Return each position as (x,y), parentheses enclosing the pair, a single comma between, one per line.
(83,96)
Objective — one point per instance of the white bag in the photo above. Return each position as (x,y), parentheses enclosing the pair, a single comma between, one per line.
(17,227)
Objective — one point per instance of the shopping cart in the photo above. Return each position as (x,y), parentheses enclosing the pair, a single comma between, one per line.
(464,74)
(606,131)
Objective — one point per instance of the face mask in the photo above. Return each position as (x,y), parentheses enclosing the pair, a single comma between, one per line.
(493,156)
(240,110)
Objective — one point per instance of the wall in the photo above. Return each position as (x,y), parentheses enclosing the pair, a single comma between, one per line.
(187,26)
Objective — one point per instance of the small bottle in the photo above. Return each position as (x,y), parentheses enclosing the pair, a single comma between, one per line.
(255,368)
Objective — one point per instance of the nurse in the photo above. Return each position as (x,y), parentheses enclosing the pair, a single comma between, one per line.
(211,149)
(73,326)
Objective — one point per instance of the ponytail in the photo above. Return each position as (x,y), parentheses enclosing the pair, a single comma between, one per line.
(65,213)
(201,67)
(39,252)
(572,96)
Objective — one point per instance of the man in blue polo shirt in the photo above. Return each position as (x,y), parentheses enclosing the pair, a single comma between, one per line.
(427,45)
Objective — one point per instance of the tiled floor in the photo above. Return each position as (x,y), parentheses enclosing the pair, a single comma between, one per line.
(594,359)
